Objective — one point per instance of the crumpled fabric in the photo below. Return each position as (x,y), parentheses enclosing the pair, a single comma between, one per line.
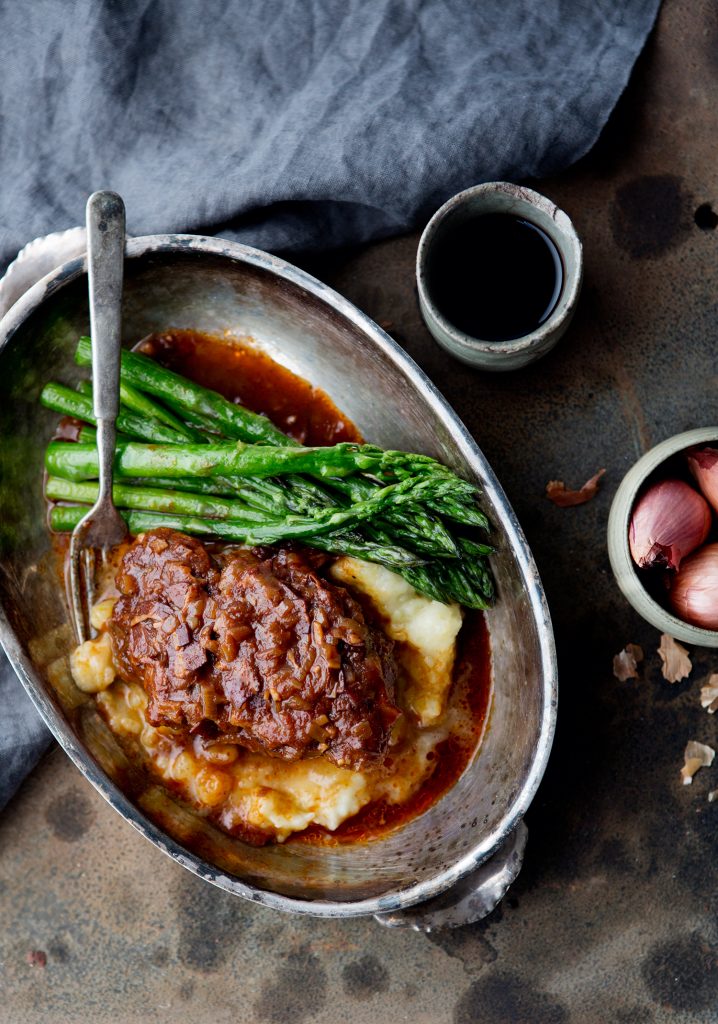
(289,125)
(23,735)
(295,124)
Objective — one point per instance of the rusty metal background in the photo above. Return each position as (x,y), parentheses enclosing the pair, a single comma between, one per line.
(615,914)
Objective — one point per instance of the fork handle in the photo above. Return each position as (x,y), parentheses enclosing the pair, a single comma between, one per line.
(105,217)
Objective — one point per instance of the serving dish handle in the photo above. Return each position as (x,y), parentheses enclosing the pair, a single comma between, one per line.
(471,899)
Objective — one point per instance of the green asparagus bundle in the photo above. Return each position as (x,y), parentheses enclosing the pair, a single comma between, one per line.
(189,459)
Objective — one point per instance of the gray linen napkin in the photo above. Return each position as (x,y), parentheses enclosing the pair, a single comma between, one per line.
(288,124)
(296,123)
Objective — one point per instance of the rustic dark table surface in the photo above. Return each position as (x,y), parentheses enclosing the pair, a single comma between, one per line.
(614,916)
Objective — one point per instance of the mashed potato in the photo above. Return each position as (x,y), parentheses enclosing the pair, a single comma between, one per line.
(255,791)
(92,666)
(426,628)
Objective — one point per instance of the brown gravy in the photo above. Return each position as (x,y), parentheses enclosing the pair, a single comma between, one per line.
(247,375)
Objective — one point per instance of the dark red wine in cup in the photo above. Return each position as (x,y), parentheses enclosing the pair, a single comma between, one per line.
(494,276)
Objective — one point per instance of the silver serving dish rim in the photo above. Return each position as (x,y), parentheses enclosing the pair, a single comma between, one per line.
(491,843)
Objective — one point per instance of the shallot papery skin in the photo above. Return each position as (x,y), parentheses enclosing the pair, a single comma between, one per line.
(703,464)
(668,522)
(694,588)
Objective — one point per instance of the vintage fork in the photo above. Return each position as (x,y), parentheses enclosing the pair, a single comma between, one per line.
(103,527)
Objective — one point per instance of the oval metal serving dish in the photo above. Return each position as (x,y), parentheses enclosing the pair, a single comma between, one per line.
(223,288)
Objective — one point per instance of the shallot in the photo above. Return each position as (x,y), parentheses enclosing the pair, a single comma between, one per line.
(703,464)
(669,522)
(694,589)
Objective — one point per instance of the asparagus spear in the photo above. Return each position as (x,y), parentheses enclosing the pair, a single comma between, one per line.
(265,495)
(180,393)
(153,499)
(72,403)
(209,485)
(79,461)
(466,579)
(65,517)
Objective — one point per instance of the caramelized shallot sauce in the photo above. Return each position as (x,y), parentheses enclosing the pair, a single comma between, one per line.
(245,374)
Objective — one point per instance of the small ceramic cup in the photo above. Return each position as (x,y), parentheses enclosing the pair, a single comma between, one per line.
(502,197)
(627,575)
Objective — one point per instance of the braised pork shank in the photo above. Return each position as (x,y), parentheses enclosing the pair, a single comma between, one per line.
(253,647)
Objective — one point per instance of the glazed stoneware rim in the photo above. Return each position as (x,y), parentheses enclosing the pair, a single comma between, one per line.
(565,306)
(619,552)
(421,891)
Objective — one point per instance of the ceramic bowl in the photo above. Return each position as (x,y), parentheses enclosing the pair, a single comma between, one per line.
(502,197)
(220,287)
(627,575)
